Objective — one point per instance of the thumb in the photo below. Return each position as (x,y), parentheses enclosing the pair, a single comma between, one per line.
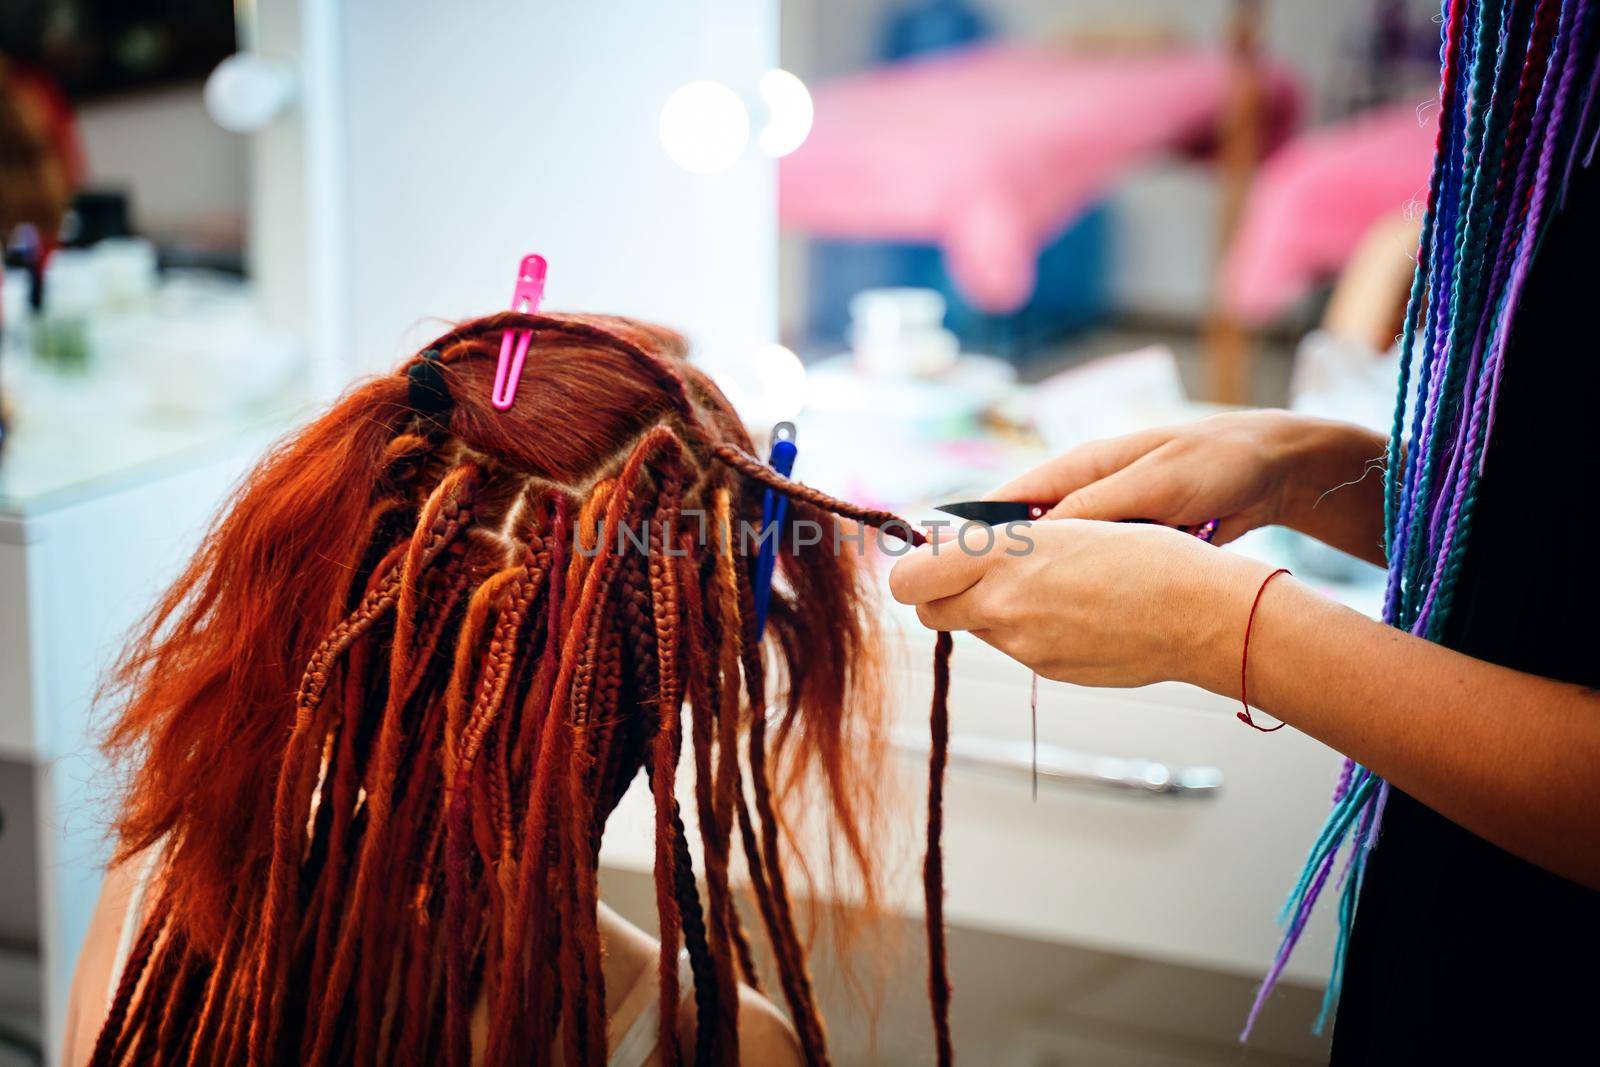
(1081,466)
(1134,492)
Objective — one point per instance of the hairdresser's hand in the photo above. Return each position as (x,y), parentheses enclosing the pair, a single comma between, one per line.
(1096,603)
(1247,469)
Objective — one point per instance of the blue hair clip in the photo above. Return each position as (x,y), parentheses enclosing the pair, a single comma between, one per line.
(774,507)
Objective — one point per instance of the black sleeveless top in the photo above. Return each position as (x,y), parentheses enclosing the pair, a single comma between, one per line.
(1463,953)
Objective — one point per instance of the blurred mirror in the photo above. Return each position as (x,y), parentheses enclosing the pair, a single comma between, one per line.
(1023,224)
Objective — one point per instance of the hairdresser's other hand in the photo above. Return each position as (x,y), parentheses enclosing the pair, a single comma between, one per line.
(1246,469)
(1096,603)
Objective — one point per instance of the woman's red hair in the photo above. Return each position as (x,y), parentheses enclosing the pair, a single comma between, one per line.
(376,728)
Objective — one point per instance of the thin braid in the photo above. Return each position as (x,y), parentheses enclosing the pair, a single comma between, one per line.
(1490,197)
(791,956)
(724,710)
(1472,304)
(378,601)
(451,581)
(145,1015)
(933,861)
(415,828)
(582,981)
(709,1050)
(517,596)
(112,1030)
(1464,295)
(465,671)
(716,822)
(757,471)
(235,1032)
(1453,507)
(756,867)
(669,697)
(1460,35)
(611,732)
(544,810)
(222,972)
(177,1015)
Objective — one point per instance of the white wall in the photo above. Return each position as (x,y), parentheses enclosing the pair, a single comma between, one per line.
(478,131)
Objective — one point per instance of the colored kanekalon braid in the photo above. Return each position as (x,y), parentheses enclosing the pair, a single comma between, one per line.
(711,727)
(1517,100)
(726,786)
(666,611)
(105,1047)
(716,1038)
(781,929)
(709,1048)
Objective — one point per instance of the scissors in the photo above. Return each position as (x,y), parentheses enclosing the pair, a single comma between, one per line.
(1002,512)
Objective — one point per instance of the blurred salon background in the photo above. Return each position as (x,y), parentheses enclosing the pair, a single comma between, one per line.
(944,237)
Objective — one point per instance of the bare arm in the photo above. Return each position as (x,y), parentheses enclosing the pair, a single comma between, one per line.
(1510,756)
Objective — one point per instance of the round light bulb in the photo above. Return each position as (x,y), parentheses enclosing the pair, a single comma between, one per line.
(789,113)
(765,384)
(704,127)
(247,91)
(782,377)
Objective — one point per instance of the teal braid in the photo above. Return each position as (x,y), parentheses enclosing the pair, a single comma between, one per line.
(1483,68)
(1474,475)
(1409,330)
(1488,127)
(1421,323)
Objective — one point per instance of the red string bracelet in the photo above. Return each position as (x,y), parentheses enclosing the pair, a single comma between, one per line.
(1244,659)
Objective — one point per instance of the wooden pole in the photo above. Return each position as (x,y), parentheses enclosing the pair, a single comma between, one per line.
(1227,343)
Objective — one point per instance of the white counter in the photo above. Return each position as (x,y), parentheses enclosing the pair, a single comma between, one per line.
(98,512)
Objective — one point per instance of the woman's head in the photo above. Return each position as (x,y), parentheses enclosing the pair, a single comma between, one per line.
(380,722)
(37,144)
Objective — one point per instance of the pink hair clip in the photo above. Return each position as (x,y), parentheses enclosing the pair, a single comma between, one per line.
(514,343)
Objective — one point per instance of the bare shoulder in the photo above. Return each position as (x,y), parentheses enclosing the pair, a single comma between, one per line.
(765,1033)
(86,1000)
